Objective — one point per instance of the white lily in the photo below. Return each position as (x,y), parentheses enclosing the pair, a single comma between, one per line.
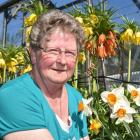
(123,112)
(135,94)
(84,107)
(112,97)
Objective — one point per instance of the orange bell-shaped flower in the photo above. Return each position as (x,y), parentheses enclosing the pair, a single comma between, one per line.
(101,38)
(112,36)
(110,47)
(89,46)
(101,51)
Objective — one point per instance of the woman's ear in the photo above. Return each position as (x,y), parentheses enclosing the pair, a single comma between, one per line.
(32,55)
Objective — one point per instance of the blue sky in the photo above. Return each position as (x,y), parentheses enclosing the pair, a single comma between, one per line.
(124,7)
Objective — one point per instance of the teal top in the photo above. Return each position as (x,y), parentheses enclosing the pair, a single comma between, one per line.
(24,107)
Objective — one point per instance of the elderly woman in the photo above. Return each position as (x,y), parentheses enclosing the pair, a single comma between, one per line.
(40,105)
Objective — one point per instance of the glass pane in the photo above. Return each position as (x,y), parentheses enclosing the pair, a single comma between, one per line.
(14,30)
(3,1)
(59,3)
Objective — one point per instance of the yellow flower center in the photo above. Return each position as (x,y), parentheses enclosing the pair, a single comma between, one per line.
(80,107)
(134,93)
(121,112)
(111,99)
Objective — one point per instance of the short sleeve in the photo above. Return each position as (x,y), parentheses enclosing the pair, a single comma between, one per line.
(19,111)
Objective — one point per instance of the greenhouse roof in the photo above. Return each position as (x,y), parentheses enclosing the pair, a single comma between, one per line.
(129,9)
(57,3)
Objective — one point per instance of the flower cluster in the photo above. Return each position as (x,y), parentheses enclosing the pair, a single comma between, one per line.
(34,8)
(13,61)
(129,36)
(130,32)
(29,21)
(119,104)
(100,36)
(106,45)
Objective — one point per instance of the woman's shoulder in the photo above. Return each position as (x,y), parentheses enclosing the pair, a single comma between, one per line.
(16,90)
(14,84)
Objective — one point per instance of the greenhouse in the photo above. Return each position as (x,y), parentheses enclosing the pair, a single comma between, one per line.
(97,64)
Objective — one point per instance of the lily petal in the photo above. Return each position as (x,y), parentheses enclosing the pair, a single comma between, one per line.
(104,96)
(87,101)
(128,118)
(119,90)
(130,88)
(137,100)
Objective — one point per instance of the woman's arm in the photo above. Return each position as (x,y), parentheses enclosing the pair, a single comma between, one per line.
(37,134)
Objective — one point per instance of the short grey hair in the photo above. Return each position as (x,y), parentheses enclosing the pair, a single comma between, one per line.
(48,22)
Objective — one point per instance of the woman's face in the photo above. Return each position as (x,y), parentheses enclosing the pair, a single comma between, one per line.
(55,62)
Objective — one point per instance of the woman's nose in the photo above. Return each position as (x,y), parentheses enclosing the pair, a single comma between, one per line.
(62,58)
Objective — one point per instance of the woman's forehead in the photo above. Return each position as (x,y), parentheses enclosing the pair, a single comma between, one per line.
(59,34)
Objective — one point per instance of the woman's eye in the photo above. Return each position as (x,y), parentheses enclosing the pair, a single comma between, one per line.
(69,53)
(53,51)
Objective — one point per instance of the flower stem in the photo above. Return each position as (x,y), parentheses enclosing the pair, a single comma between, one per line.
(4,74)
(129,65)
(128,129)
(103,72)
(76,75)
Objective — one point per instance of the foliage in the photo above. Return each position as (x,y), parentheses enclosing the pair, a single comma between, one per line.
(130,32)
(99,30)
(34,7)
(14,61)
(119,121)
(116,114)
